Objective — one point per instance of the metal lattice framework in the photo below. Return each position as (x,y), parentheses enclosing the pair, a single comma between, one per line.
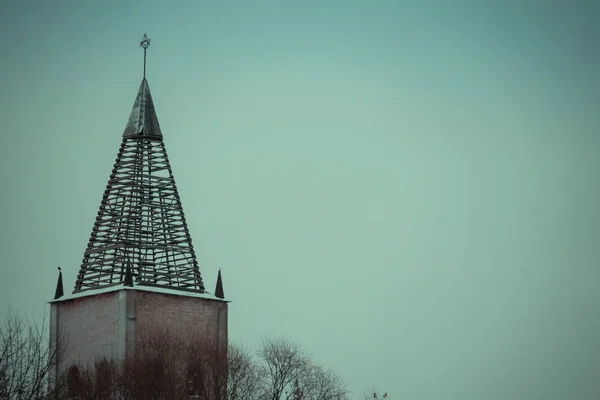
(141,226)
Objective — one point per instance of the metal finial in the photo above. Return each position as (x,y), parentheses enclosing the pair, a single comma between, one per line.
(144,44)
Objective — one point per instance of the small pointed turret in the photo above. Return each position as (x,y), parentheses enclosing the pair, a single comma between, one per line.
(128,281)
(59,286)
(219,288)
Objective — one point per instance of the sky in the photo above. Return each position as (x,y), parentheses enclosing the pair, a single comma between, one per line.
(408,190)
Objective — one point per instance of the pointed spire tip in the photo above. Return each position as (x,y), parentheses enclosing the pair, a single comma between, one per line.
(143,121)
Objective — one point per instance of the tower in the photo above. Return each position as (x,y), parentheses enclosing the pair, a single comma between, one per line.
(139,271)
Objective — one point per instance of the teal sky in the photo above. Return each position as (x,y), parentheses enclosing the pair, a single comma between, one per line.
(409,190)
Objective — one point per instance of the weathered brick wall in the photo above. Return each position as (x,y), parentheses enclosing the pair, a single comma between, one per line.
(109,325)
(90,326)
(183,316)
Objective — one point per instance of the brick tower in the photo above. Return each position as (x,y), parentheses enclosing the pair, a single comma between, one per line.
(139,270)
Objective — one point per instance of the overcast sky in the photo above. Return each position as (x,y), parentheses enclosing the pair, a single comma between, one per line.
(408,190)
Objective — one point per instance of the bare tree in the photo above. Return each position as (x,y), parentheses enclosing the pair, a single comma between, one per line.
(157,368)
(287,372)
(323,384)
(282,363)
(101,381)
(167,366)
(26,358)
(243,380)
(207,369)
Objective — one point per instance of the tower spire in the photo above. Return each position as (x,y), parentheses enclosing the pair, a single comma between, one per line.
(145,43)
(140,236)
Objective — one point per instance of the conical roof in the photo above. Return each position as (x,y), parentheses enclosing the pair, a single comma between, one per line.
(143,120)
(140,233)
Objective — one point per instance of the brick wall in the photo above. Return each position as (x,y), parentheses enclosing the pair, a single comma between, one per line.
(90,326)
(183,316)
(110,324)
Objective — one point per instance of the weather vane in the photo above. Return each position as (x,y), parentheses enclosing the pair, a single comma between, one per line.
(145,43)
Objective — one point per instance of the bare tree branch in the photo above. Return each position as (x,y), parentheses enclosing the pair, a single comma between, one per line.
(243,380)
(165,365)
(283,363)
(27,357)
(323,384)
